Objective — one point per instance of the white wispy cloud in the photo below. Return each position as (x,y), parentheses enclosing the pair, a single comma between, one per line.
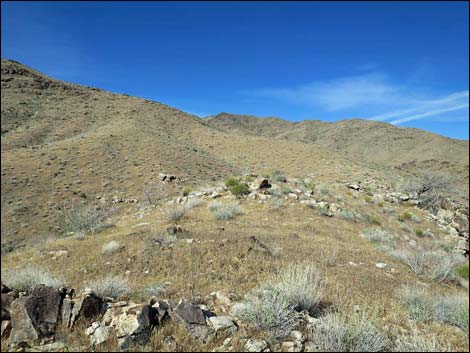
(374,95)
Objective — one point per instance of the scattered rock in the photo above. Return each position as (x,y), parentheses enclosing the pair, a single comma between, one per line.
(253,345)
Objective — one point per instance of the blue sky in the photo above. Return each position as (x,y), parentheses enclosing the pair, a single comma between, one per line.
(406,63)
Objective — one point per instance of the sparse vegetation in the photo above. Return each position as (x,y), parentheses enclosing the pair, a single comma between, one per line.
(372,219)
(26,279)
(380,237)
(462,271)
(81,218)
(419,343)
(110,287)
(436,265)
(224,211)
(351,332)
(266,308)
(425,306)
(278,176)
(301,285)
(276,204)
(174,212)
(155,289)
(110,247)
(405,216)
(419,232)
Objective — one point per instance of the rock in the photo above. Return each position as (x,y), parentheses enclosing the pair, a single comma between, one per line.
(49,347)
(380,265)
(66,316)
(5,289)
(354,186)
(23,332)
(6,300)
(309,346)
(260,184)
(291,347)
(192,317)
(35,316)
(335,208)
(5,328)
(88,307)
(131,323)
(297,336)
(253,345)
(222,323)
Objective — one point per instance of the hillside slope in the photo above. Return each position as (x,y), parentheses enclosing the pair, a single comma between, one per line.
(363,140)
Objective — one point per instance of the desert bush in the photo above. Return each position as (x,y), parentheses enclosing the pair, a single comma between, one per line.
(193,203)
(174,212)
(231,182)
(341,332)
(81,219)
(239,189)
(110,247)
(223,211)
(428,188)
(405,216)
(155,289)
(419,232)
(349,215)
(26,279)
(324,191)
(110,287)
(187,190)
(301,285)
(424,306)
(368,199)
(276,204)
(372,219)
(278,176)
(286,190)
(436,265)
(267,309)
(418,343)
(379,236)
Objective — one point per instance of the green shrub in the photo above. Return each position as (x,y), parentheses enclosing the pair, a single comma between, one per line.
(368,199)
(239,189)
(462,271)
(372,219)
(231,182)
(419,232)
(405,216)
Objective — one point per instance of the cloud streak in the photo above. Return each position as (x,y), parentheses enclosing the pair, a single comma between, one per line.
(374,96)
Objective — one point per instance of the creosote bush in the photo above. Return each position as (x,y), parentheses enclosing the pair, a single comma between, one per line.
(26,279)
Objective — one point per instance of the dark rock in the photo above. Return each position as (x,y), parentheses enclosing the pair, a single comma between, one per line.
(88,307)
(43,308)
(189,313)
(264,184)
(5,289)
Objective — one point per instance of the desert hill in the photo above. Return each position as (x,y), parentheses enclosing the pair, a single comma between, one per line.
(61,141)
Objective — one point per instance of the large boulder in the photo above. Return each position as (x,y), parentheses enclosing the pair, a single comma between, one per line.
(193,317)
(88,307)
(35,317)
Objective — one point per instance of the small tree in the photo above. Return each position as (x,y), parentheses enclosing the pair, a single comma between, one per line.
(429,189)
